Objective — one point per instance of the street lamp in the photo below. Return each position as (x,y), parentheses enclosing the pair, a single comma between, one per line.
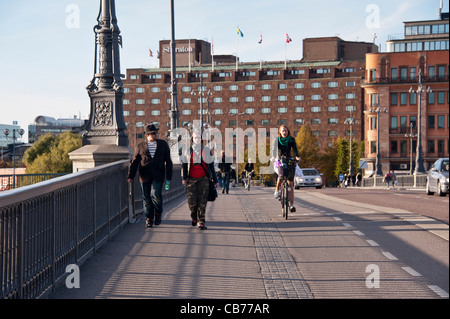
(419,159)
(202,93)
(21,132)
(411,135)
(237,141)
(351,121)
(377,110)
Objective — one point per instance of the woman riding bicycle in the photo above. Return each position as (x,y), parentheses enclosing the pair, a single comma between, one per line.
(286,145)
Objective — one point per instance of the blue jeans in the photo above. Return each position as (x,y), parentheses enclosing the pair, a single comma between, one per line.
(226,181)
(152,198)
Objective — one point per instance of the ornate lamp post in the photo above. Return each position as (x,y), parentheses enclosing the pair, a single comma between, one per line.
(351,121)
(411,135)
(21,132)
(419,158)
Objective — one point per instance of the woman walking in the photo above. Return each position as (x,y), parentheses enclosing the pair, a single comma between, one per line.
(286,146)
(197,170)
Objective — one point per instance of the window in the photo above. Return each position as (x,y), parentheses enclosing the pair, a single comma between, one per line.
(265,110)
(265,98)
(234,99)
(250,110)
(140,113)
(315,97)
(265,87)
(299,85)
(186,89)
(333,84)
(441,121)
(298,122)
(431,148)
(233,111)
(403,122)
(299,98)
(282,110)
(217,88)
(394,74)
(126,102)
(333,109)
(155,90)
(412,73)
(186,100)
(413,120)
(403,74)
(186,112)
(234,88)
(332,133)
(441,72)
(249,122)
(249,87)
(315,121)
(155,101)
(403,98)
(217,123)
(282,98)
(431,121)
(441,147)
(373,147)
(315,85)
(126,113)
(441,97)
(350,96)
(403,146)
(140,90)
(350,83)
(413,99)
(217,100)
(394,122)
(333,121)
(394,99)
(265,122)
(299,109)
(315,109)
(431,73)
(140,101)
(349,108)
(333,96)
(156,113)
(394,146)
(249,99)
(282,86)
(431,98)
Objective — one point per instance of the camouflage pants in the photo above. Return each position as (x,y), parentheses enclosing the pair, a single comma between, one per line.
(197,190)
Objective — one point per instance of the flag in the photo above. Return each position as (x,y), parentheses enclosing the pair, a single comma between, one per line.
(260,39)
(239,32)
(288,39)
(150,52)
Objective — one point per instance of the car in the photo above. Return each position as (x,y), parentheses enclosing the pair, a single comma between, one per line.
(310,178)
(437,178)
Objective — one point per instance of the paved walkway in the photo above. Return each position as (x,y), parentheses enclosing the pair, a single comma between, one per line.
(241,255)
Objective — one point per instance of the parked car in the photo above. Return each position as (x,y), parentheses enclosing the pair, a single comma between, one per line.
(437,178)
(310,178)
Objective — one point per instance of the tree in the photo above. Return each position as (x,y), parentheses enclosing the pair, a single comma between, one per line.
(50,154)
(308,147)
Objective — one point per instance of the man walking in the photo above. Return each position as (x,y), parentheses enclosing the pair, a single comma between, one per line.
(225,170)
(152,161)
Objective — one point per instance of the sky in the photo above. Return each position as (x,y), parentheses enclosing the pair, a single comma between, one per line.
(47,46)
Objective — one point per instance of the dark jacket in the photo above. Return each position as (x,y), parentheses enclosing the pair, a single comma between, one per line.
(186,165)
(224,166)
(157,168)
(285,150)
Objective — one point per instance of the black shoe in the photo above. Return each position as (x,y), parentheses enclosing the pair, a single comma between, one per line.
(202,227)
(292,209)
(149,223)
(194,222)
(223,191)
(157,219)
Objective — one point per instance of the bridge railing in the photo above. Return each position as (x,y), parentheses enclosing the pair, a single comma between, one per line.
(47,226)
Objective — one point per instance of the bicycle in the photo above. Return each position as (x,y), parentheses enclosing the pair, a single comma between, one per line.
(286,163)
(247,180)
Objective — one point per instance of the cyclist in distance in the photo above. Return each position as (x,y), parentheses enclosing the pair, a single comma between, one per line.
(286,146)
(249,171)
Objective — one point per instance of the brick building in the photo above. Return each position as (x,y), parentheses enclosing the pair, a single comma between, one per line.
(319,90)
(389,77)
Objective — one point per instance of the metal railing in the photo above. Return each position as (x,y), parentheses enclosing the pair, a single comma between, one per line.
(403,181)
(7,181)
(50,225)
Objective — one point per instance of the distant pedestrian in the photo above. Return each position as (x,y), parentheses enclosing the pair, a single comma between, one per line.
(394,178)
(387,178)
(225,170)
(358,179)
(197,169)
(153,163)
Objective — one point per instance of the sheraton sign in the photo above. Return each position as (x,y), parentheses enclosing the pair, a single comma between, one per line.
(178,50)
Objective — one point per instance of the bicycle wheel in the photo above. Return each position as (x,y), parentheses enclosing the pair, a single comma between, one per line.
(282,200)
(286,200)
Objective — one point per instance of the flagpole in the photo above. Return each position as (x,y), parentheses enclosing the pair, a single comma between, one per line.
(212,55)
(189,55)
(237,51)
